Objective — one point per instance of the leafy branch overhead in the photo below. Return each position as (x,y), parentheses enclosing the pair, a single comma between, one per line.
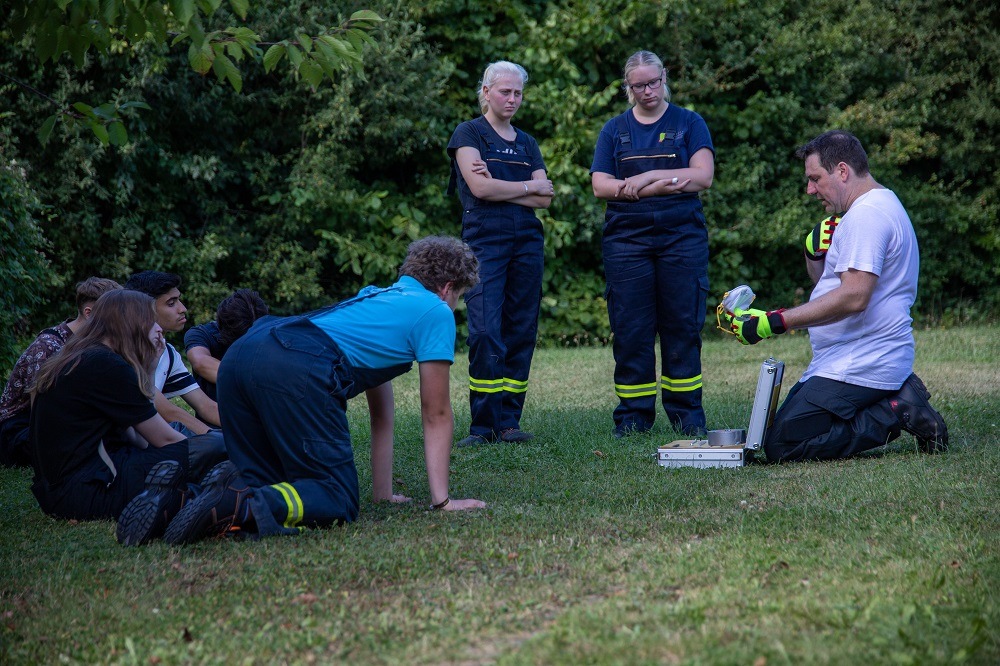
(76,27)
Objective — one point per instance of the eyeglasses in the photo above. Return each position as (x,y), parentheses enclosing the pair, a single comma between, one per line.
(652,85)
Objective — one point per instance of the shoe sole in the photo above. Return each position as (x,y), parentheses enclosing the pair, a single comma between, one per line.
(146,517)
(198,518)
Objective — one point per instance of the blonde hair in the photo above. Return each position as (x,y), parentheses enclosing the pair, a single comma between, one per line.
(494,71)
(121,320)
(642,59)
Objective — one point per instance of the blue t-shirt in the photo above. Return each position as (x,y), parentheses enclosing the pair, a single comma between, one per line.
(381,328)
(689,130)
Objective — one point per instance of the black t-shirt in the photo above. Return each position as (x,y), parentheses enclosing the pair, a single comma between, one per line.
(208,336)
(87,404)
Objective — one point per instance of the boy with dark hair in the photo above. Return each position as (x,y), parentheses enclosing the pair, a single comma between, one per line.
(15,405)
(206,344)
(172,378)
(285,386)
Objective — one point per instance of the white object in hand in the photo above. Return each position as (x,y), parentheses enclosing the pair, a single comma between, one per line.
(739,298)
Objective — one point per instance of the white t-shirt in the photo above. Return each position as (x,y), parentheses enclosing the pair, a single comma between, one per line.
(873,348)
(172,376)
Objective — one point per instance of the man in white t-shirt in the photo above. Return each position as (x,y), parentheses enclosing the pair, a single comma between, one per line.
(859,391)
(172,378)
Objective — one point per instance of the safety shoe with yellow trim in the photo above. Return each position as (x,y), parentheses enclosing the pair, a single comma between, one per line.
(147,515)
(219,508)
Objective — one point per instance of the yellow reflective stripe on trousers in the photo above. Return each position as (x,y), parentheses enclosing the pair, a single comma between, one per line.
(514,385)
(635,390)
(294,502)
(485,385)
(497,385)
(680,385)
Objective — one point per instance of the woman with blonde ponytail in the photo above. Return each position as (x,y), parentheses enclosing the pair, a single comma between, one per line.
(500,177)
(650,165)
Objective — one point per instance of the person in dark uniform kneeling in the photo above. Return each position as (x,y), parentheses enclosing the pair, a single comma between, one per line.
(284,388)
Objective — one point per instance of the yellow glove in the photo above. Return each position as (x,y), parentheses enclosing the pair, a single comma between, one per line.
(752,326)
(819,239)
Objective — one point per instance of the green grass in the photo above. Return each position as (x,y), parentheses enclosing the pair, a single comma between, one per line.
(589,553)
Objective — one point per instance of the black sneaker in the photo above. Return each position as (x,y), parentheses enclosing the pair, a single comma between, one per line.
(146,517)
(219,507)
(514,435)
(472,440)
(917,417)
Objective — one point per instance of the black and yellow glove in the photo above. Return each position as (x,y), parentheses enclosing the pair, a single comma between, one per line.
(752,326)
(819,239)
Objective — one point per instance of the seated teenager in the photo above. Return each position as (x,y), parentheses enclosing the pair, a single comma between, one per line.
(206,344)
(15,405)
(83,401)
(172,378)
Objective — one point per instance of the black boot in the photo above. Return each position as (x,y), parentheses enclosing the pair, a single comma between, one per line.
(917,417)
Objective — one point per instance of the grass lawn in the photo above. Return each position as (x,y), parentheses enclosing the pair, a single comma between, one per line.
(589,552)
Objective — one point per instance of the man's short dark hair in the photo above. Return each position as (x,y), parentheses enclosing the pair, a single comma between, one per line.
(153,283)
(834,147)
(437,260)
(237,313)
(88,291)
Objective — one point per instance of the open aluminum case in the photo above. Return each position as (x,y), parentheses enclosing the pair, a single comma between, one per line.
(699,453)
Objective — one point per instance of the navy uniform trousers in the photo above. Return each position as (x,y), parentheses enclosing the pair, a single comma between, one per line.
(823,419)
(283,391)
(656,268)
(503,308)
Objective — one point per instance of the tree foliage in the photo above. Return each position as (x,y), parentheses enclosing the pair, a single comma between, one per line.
(25,273)
(76,28)
(307,192)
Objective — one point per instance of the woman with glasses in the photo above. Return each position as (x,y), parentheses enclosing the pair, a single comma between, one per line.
(501,180)
(650,164)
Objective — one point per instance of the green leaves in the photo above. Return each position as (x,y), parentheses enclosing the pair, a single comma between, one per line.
(46,129)
(105,121)
(320,56)
(200,57)
(183,10)
(240,7)
(65,27)
(273,56)
(225,69)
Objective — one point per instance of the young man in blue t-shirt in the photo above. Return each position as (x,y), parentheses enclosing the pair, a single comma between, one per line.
(284,388)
